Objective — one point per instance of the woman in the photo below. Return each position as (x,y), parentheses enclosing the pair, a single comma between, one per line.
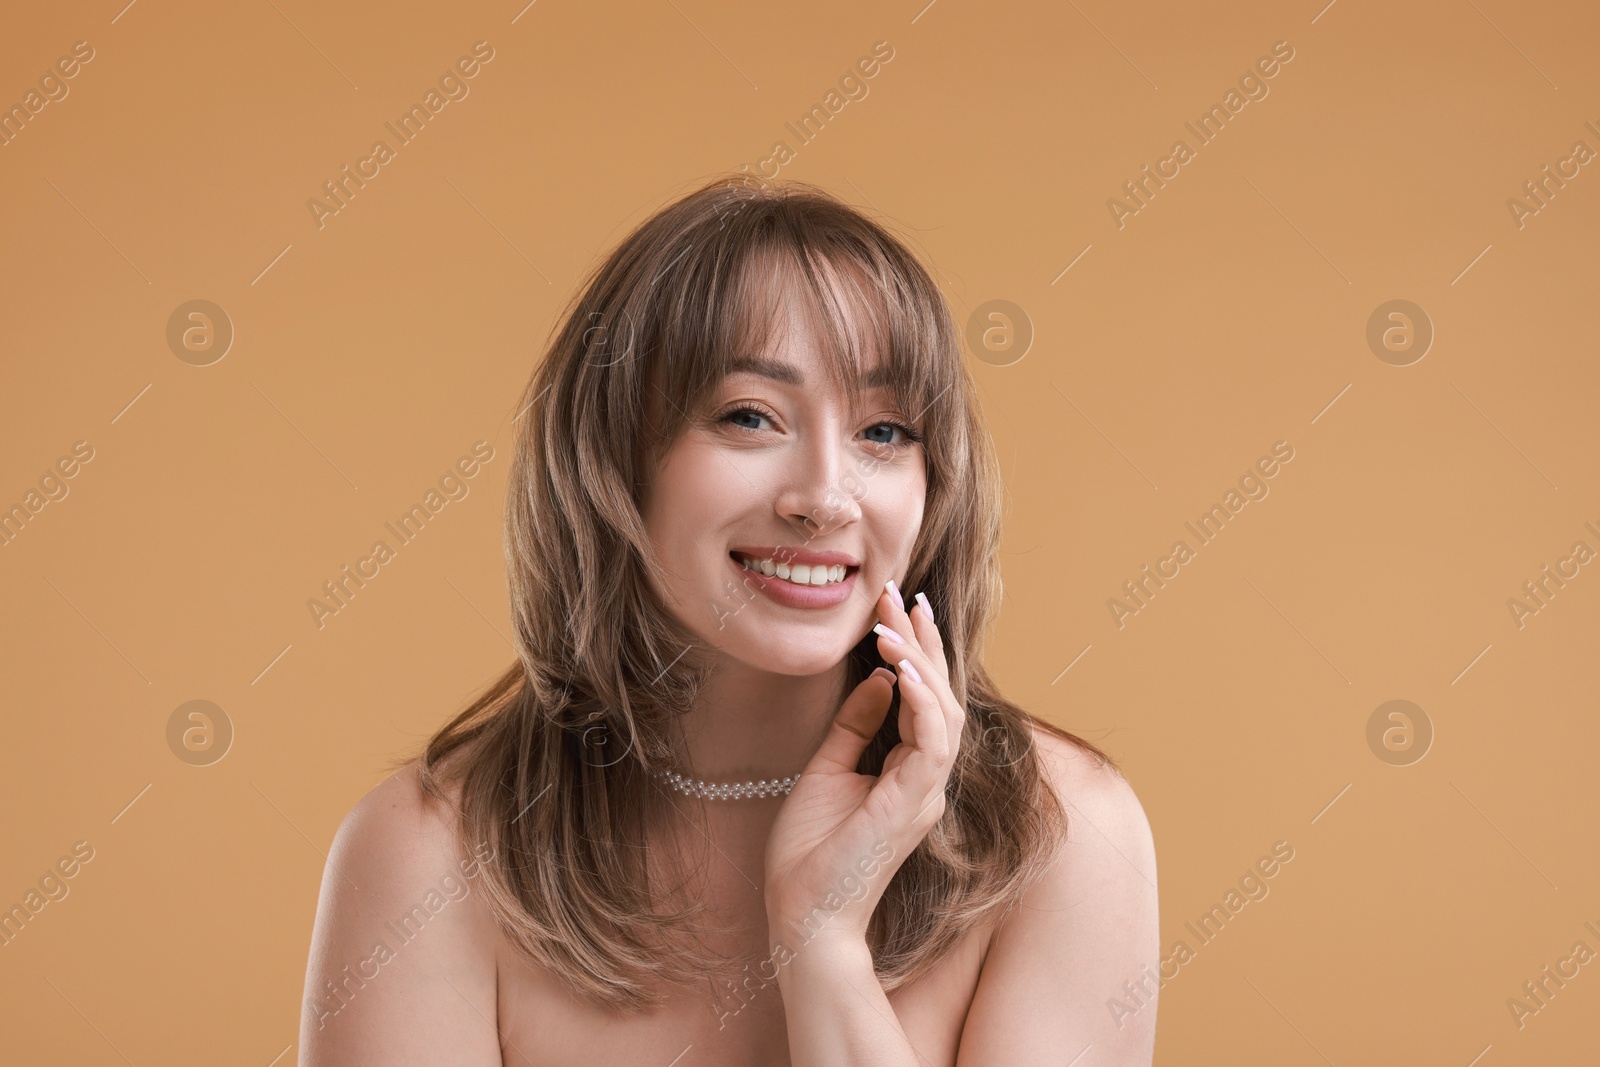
(699,822)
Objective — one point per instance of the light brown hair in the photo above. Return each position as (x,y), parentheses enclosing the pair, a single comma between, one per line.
(554,758)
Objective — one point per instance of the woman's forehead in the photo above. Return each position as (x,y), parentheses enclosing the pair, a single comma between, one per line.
(806,344)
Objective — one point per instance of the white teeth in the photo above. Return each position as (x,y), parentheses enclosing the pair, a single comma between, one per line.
(799,574)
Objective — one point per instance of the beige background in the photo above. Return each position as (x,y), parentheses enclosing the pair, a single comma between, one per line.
(1228,314)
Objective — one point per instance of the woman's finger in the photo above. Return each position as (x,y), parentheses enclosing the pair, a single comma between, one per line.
(932,644)
(924,648)
(855,726)
(928,635)
(898,636)
(923,772)
(918,630)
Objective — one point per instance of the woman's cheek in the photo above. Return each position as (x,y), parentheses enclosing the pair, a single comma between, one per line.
(901,490)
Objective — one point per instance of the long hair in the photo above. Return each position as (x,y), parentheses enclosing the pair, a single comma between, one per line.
(554,759)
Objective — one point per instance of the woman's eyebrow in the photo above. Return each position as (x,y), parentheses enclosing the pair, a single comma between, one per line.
(762,367)
(789,374)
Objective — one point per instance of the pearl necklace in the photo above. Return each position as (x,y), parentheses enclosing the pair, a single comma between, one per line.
(694,787)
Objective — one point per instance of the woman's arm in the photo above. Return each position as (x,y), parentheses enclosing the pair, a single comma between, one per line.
(1088,925)
(839,838)
(836,1011)
(402,969)
(1076,966)
(1071,972)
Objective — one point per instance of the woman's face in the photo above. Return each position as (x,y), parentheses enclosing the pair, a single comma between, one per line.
(787,472)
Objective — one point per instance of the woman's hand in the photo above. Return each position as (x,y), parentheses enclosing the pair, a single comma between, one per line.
(840,836)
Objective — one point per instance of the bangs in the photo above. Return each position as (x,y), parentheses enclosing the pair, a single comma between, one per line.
(873,314)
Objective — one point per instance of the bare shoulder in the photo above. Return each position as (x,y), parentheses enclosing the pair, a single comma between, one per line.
(1109,844)
(397,814)
(402,964)
(1095,790)
(1086,925)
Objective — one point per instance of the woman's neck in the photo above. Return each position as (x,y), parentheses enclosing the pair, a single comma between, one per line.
(749,723)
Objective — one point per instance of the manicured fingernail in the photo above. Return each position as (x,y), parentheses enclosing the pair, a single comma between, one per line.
(906,666)
(923,600)
(898,601)
(880,628)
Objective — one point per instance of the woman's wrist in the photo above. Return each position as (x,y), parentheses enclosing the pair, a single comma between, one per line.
(825,952)
(836,919)
(836,1009)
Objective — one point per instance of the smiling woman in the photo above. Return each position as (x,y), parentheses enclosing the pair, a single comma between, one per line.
(699,778)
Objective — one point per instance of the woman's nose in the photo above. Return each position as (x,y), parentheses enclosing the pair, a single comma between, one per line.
(815,496)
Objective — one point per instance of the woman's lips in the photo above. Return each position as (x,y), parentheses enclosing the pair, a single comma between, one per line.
(792,595)
(792,554)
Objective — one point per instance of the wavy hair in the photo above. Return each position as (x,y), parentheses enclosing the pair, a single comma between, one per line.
(554,759)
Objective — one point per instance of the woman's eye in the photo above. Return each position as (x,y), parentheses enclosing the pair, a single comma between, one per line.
(741,417)
(888,429)
(908,436)
(748,417)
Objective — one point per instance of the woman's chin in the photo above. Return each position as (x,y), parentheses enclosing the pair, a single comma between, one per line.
(798,662)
